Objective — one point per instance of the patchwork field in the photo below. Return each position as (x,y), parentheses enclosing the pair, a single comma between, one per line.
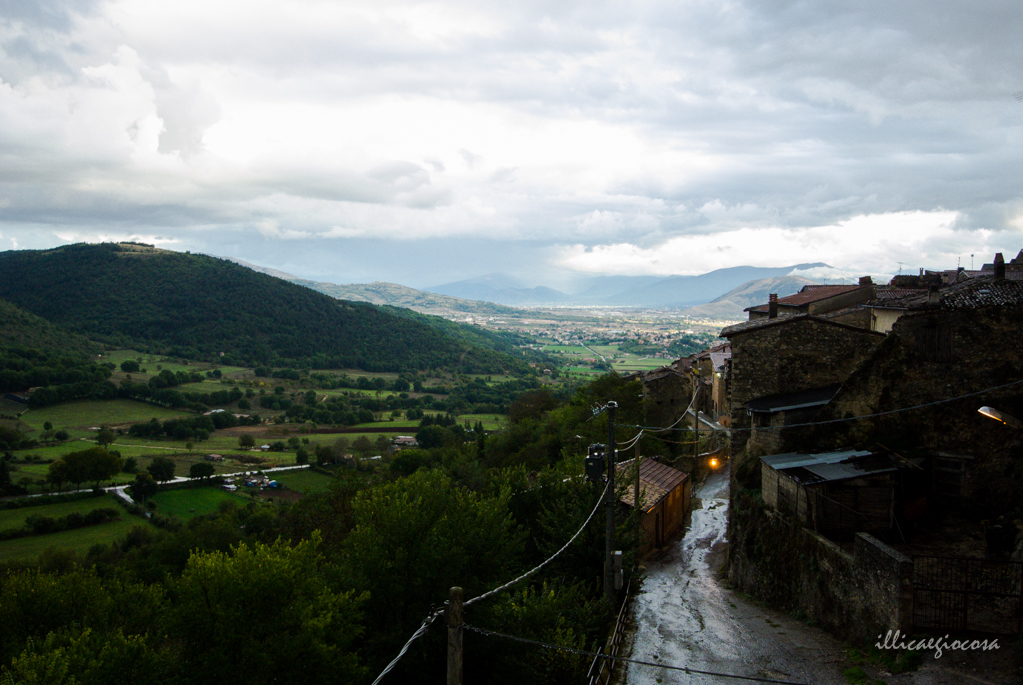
(88,413)
(187,503)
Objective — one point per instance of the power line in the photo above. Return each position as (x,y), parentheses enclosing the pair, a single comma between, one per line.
(415,636)
(435,615)
(852,418)
(543,563)
(583,652)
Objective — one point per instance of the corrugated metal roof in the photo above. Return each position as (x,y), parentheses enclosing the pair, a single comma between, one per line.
(814,397)
(845,471)
(788,460)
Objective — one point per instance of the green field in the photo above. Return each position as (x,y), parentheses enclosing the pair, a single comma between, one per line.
(490,421)
(89,413)
(80,540)
(15,518)
(187,503)
(304,480)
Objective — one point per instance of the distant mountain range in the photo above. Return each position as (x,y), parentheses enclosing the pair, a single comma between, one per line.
(732,304)
(720,294)
(617,291)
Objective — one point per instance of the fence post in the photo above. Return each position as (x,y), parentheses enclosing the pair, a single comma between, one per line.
(454,616)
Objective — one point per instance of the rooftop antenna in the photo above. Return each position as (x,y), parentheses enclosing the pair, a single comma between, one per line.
(900,268)
(971,261)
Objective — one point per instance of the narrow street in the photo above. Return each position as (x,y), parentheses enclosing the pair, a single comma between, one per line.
(685,616)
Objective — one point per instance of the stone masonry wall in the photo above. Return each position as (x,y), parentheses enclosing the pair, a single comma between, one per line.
(854,596)
(798,354)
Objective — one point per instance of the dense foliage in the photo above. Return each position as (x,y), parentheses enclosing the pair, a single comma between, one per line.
(20,329)
(328,588)
(201,307)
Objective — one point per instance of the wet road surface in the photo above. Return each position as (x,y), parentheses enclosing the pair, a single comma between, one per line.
(684,615)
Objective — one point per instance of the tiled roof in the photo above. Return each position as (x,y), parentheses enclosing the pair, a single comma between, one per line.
(746,326)
(883,294)
(656,480)
(703,354)
(808,295)
(983,291)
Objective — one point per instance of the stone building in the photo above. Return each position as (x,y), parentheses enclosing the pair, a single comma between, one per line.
(963,339)
(772,359)
(815,300)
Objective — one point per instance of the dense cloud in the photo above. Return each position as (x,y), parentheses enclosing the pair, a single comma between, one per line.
(425,142)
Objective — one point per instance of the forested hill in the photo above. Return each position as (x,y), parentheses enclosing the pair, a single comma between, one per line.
(22,330)
(201,307)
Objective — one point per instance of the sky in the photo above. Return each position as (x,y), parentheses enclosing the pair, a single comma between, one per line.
(427,142)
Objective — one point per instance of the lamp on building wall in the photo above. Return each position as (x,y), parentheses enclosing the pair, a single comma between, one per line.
(1006,419)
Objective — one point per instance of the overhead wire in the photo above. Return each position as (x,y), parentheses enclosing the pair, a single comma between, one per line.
(583,652)
(544,563)
(850,418)
(436,614)
(415,636)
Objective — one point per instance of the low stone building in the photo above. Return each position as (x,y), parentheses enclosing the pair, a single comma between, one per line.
(833,493)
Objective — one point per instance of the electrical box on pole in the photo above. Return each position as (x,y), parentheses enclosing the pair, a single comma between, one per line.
(595,464)
(617,564)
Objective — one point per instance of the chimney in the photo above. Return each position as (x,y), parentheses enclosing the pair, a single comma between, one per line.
(865,280)
(772,306)
(933,298)
(999,267)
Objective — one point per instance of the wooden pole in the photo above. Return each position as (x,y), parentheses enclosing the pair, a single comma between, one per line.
(638,511)
(609,571)
(454,616)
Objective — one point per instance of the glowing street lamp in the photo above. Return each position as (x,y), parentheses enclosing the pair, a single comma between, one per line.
(1006,419)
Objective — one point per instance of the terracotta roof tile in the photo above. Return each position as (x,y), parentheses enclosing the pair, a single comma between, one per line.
(808,295)
(656,480)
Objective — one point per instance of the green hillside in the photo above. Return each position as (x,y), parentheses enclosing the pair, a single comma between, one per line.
(21,329)
(202,307)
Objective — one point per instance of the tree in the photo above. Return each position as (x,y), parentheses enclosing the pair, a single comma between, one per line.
(129,366)
(161,469)
(61,435)
(301,456)
(362,445)
(246,441)
(58,474)
(47,426)
(201,470)
(143,487)
(267,607)
(412,536)
(102,465)
(105,437)
(130,465)
(324,455)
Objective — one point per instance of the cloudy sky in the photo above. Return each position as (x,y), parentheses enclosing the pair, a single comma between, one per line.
(424,142)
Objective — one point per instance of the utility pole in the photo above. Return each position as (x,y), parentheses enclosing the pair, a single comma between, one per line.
(609,570)
(454,616)
(635,500)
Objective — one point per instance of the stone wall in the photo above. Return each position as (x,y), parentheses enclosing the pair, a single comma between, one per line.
(983,350)
(788,356)
(854,596)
